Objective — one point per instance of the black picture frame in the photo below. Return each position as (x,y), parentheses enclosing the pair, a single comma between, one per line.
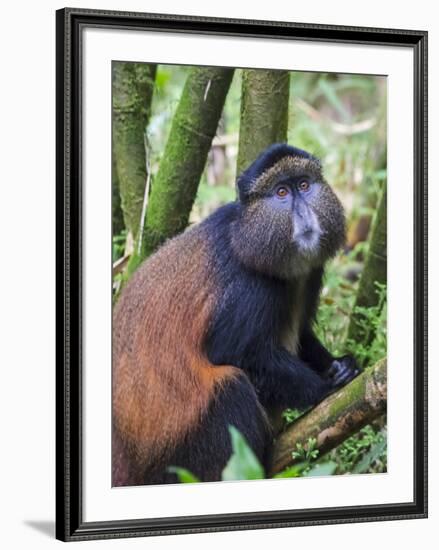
(69,518)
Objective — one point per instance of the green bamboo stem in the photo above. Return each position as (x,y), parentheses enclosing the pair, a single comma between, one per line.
(193,128)
(133,86)
(264,113)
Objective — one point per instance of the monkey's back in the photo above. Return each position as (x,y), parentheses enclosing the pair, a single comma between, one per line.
(162,381)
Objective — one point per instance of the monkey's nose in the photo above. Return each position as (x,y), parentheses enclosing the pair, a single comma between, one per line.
(306,233)
(306,230)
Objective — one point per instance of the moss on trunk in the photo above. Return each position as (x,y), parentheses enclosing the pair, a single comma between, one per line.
(133,86)
(264,112)
(193,128)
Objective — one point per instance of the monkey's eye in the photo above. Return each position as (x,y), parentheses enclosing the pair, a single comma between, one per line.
(282,192)
(303,185)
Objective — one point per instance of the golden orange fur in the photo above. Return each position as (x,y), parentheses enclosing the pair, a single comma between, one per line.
(162,382)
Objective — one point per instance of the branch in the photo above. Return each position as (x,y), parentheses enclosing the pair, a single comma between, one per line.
(344,129)
(337,417)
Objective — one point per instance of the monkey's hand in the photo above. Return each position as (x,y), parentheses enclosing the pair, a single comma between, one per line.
(342,370)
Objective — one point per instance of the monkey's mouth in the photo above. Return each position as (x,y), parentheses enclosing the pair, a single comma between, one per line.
(307,240)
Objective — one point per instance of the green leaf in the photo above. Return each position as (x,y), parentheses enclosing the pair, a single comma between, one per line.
(325,469)
(290,415)
(184,476)
(293,471)
(243,464)
(374,453)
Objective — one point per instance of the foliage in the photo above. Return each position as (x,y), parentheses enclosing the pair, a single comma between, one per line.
(308,466)
(119,245)
(306,452)
(243,463)
(290,415)
(184,475)
(371,320)
(296,470)
(363,452)
(323,469)
(375,458)
(336,306)
(304,469)
(336,302)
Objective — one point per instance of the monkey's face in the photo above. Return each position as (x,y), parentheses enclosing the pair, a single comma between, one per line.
(291,220)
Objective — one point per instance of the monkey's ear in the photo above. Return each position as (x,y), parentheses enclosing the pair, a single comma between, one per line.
(265,161)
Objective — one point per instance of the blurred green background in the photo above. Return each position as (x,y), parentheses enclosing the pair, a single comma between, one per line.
(339,118)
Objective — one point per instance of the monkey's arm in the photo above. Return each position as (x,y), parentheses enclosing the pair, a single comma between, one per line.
(282,379)
(314,353)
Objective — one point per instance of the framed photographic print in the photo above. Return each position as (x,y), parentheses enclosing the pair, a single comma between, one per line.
(241,274)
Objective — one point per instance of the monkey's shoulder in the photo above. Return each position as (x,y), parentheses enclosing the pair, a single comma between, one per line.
(183,269)
(194,245)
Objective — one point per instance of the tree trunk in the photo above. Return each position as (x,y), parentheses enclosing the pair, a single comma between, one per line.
(375,270)
(264,113)
(116,208)
(337,417)
(193,128)
(133,86)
